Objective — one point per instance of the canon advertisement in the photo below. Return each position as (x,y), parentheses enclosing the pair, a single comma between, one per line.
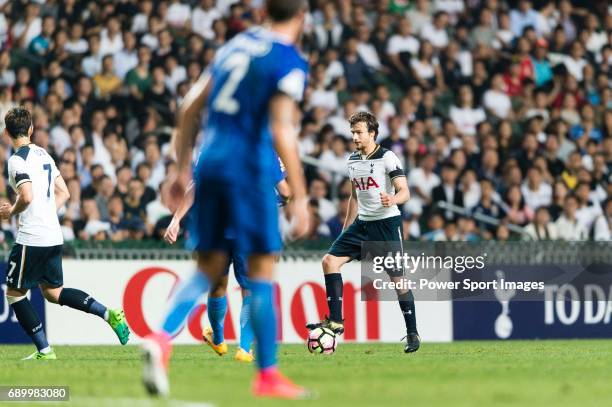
(143,289)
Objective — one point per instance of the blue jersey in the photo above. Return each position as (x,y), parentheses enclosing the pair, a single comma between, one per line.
(235,206)
(246,73)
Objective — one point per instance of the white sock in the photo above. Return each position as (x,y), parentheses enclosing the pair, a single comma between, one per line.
(46,350)
(106,315)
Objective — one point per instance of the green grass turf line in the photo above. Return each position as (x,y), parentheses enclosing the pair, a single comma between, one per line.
(496,373)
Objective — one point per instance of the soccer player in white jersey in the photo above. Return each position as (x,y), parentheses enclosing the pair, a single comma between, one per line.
(379,186)
(36,256)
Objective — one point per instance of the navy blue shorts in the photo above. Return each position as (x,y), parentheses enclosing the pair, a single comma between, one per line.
(29,266)
(227,216)
(348,244)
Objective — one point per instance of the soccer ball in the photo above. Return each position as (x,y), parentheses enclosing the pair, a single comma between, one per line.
(322,340)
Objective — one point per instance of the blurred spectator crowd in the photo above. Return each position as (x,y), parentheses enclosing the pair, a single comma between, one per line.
(501,111)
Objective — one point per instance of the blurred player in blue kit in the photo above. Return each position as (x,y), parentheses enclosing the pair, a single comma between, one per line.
(217,303)
(250,93)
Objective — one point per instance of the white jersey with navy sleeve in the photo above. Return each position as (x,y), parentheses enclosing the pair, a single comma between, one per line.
(372,175)
(38,223)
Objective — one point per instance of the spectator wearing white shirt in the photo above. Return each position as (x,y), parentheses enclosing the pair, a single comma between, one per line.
(127,58)
(158,208)
(435,32)
(29,27)
(152,156)
(535,191)
(4,31)
(568,226)
(339,121)
(602,228)
(496,100)
(6,103)
(321,95)
(387,109)
(76,43)
(426,68)
(465,116)
(522,17)
(503,36)
(178,14)
(541,228)
(366,50)
(111,41)
(203,17)
(328,33)
(140,22)
(334,69)
(101,154)
(484,32)
(92,64)
(452,7)
(422,180)
(546,19)
(60,138)
(597,37)
(155,25)
(470,188)
(539,107)
(335,159)
(377,111)
(588,208)
(224,6)
(94,228)
(7,75)
(575,62)
(401,46)
(565,19)
(318,191)
(175,73)
(419,15)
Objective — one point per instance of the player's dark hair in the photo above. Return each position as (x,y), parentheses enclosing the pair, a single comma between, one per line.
(283,10)
(18,121)
(368,118)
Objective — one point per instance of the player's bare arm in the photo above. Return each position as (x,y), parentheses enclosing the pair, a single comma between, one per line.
(24,198)
(351,214)
(402,193)
(61,192)
(282,112)
(187,129)
(175,224)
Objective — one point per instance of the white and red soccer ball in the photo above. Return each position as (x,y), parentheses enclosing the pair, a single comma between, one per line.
(322,340)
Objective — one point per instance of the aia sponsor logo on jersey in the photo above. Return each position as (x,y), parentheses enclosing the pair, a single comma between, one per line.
(363,184)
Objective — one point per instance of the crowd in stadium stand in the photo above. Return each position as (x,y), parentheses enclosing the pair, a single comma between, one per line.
(500,109)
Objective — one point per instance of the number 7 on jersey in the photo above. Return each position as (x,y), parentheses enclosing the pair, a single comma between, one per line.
(47,167)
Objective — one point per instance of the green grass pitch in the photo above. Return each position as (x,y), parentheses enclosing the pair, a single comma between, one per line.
(513,373)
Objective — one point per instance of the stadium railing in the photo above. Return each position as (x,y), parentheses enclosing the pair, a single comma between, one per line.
(508,252)
(479,217)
